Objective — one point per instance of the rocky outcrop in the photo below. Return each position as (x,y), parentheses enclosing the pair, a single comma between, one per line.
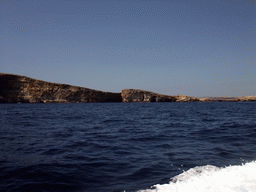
(184,98)
(247,98)
(228,99)
(135,95)
(15,88)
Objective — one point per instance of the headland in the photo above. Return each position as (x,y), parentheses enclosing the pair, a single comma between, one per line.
(22,89)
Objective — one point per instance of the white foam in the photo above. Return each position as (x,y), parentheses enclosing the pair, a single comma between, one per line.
(240,178)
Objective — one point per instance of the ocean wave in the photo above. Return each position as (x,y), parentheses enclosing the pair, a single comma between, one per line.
(236,178)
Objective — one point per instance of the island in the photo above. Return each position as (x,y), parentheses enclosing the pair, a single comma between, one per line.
(22,89)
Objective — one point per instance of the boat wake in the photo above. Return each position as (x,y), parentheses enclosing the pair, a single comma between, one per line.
(237,178)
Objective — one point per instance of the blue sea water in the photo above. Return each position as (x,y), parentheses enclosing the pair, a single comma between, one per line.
(120,146)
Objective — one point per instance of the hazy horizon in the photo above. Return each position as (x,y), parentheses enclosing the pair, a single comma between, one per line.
(195,48)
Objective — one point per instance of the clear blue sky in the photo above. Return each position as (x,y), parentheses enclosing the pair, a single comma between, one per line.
(189,47)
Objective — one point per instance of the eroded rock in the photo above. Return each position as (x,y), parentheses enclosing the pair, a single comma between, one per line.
(136,95)
(15,88)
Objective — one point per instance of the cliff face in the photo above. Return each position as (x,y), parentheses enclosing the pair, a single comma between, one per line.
(14,88)
(134,95)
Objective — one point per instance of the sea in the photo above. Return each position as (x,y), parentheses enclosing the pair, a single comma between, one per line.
(128,147)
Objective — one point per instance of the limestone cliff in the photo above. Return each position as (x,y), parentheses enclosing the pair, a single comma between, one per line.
(15,88)
(228,99)
(135,95)
(247,98)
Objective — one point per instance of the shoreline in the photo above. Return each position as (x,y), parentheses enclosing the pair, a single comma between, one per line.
(22,89)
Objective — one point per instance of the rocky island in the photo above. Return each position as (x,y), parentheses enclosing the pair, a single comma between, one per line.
(22,89)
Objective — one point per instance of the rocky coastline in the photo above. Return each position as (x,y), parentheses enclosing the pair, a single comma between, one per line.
(22,89)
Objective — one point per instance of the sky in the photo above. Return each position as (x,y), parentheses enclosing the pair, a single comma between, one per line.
(190,47)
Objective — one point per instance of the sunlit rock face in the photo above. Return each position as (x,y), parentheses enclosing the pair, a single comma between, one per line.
(228,99)
(136,95)
(184,98)
(15,88)
(247,98)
